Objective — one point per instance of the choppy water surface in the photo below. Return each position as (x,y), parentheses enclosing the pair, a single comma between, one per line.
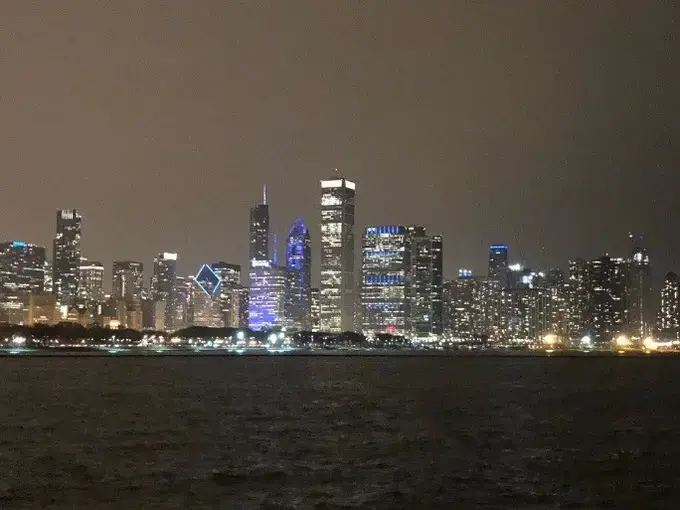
(305,432)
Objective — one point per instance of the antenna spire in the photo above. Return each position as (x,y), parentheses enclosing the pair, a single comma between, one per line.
(264,194)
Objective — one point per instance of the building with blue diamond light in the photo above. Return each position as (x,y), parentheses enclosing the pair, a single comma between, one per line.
(206,298)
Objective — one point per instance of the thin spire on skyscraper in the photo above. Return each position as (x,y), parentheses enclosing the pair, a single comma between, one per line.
(264,194)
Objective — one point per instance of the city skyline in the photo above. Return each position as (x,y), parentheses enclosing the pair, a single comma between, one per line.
(544,127)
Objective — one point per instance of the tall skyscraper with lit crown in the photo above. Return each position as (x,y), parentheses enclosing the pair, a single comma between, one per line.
(163,281)
(337,285)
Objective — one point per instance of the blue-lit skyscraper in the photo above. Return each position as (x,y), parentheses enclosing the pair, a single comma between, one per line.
(266,307)
(299,265)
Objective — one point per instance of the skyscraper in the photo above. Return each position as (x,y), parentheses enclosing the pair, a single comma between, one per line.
(66,256)
(400,266)
(498,263)
(259,232)
(669,316)
(578,299)
(384,272)
(608,291)
(266,308)
(163,286)
(419,278)
(315,310)
(299,264)
(459,305)
(22,267)
(229,292)
(336,292)
(206,298)
(437,284)
(91,281)
(639,292)
(127,280)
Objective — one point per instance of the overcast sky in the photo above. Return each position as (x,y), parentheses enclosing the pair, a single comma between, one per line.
(550,126)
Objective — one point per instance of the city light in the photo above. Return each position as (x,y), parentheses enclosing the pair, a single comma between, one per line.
(622,341)
(551,340)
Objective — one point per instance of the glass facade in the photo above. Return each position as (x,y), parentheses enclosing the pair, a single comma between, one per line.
(384,269)
(67,255)
(336,291)
(91,283)
(669,316)
(22,267)
(127,280)
(266,308)
(163,287)
(299,264)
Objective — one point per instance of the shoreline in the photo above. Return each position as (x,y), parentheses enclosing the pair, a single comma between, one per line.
(320,353)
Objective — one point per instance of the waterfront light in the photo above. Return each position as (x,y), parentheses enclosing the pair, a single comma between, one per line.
(586,342)
(18,340)
(650,344)
(623,341)
(550,340)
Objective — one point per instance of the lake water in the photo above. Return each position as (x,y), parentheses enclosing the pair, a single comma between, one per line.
(339,432)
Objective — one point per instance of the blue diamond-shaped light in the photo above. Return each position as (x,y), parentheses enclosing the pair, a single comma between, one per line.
(207,280)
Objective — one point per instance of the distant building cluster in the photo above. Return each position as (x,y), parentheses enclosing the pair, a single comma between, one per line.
(398,288)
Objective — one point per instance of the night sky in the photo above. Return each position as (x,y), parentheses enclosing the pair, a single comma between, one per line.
(551,127)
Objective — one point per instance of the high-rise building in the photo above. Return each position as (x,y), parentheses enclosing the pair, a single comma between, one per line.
(206,298)
(299,264)
(400,265)
(259,232)
(22,267)
(229,274)
(608,279)
(163,282)
(240,308)
(229,292)
(127,280)
(524,314)
(66,256)
(384,270)
(459,305)
(487,303)
(266,307)
(437,284)
(336,292)
(669,316)
(315,310)
(639,293)
(419,282)
(182,302)
(498,263)
(578,299)
(91,281)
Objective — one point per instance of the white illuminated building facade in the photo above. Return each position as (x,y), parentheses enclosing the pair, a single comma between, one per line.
(336,291)
(91,283)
